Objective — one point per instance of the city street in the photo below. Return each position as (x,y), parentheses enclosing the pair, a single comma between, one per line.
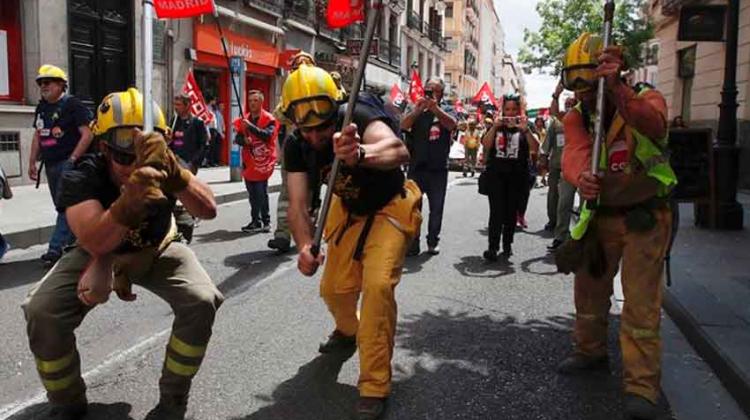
(474,340)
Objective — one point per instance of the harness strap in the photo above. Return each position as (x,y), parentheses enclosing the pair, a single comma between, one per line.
(363,237)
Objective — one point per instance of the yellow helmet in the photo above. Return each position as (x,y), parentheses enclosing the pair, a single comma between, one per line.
(302,58)
(580,62)
(309,96)
(48,71)
(118,114)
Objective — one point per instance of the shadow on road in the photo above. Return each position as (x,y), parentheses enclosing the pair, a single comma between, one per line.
(485,367)
(476,266)
(416,263)
(115,411)
(252,267)
(18,273)
(221,235)
(312,394)
(548,261)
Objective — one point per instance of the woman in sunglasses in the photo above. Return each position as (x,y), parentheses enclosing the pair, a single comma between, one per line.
(507,146)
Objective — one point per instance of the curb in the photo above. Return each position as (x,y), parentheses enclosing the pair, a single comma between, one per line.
(40,235)
(737,384)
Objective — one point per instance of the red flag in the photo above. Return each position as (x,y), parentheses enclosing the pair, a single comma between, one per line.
(459,107)
(197,104)
(175,9)
(341,13)
(416,90)
(397,97)
(485,96)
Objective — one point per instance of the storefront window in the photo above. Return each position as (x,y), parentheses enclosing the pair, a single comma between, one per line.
(11,68)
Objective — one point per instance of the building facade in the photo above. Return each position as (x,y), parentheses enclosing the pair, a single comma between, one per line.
(423,44)
(512,76)
(691,74)
(462,28)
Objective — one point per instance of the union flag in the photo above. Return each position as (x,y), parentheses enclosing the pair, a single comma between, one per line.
(416,89)
(342,13)
(176,9)
(485,96)
(198,105)
(397,97)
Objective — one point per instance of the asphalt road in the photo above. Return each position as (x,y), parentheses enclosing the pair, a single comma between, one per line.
(474,340)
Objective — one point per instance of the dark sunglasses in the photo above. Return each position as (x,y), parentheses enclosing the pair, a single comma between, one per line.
(121,158)
(322,127)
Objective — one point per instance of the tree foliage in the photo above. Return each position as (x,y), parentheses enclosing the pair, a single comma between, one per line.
(564,20)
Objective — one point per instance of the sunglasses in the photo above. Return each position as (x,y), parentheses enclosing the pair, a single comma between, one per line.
(121,158)
(318,128)
(45,82)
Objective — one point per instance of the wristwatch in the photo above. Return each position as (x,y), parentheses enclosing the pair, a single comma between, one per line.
(361,155)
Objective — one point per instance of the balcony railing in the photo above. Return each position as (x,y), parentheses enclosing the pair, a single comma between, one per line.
(272,6)
(389,53)
(413,21)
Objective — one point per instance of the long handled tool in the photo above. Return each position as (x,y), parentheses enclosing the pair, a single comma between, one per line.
(372,18)
(609,12)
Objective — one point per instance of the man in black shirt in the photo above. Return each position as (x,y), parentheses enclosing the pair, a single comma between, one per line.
(189,138)
(189,134)
(373,217)
(119,203)
(430,124)
(61,136)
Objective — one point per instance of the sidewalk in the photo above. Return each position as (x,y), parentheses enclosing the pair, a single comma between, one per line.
(710,298)
(29,218)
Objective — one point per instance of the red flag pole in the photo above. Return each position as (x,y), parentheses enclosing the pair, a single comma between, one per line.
(229,61)
(372,18)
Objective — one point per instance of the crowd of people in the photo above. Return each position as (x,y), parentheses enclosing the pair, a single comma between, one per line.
(125,199)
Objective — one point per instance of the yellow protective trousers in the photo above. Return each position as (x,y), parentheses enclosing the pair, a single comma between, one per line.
(375,275)
(53,312)
(642,255)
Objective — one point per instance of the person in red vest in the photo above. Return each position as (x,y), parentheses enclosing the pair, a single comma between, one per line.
(259,129)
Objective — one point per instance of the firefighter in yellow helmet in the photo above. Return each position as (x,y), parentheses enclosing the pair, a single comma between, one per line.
(374,214)
(61,135)
(631,225)
(119,204)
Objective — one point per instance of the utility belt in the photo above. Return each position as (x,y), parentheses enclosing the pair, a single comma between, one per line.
(638,217)
(399,212)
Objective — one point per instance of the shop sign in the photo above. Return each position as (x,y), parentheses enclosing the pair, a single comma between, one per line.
(354,46)
(250,49)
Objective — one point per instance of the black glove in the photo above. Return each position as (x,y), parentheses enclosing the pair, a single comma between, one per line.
(240,139)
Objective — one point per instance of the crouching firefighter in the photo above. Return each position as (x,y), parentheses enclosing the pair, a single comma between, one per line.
(630,226)
(373,216)
(119,204)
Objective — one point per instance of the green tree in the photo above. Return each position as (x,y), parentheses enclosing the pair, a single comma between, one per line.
(564,20)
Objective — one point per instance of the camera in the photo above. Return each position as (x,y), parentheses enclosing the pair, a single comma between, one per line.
(428,94)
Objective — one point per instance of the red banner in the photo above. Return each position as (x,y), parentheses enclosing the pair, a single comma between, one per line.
(342,13)
(485,96)
(416,90)
(198,105)
(397,97)
(175,9)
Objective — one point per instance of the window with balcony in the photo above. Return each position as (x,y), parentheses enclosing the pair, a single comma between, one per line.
(11,61)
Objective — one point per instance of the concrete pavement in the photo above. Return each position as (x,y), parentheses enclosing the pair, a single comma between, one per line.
(474,340)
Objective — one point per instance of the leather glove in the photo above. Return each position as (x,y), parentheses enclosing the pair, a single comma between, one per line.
(123,287)
(95,283)
(178,177)
(137,196)
(151,150)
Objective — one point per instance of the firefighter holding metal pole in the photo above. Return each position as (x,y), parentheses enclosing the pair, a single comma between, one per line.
(615,142)
(374,213)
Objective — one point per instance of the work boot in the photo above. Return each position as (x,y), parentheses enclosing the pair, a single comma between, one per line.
(280,244)
(168,408)
(413,249)
(639,408)
(370,408)
(337,341)
(72,411)
(490,255)
(578,363)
